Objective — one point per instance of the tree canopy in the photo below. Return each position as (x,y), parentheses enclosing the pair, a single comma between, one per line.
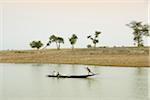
(58,40)
(139,30)
(73,40)
(95,38)
(36,44)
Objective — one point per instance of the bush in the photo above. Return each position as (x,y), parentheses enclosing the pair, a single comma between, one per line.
(89,46)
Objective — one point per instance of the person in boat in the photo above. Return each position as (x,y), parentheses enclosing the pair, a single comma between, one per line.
(89,70)
(58,74)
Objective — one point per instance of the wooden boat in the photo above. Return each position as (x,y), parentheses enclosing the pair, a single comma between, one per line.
(71,76)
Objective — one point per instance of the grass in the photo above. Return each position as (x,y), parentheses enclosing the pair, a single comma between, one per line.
(118,56)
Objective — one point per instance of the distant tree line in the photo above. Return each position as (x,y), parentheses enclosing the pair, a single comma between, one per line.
(139,31)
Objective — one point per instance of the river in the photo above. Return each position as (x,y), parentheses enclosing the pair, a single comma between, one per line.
(30,82)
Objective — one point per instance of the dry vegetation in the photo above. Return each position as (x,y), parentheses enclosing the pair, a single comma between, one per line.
(134,57)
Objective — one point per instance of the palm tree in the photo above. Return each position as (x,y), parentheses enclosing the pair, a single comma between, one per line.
(95,39)
(139,30)
(36,44)
(73,40)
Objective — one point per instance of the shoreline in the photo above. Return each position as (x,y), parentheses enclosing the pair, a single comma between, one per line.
(77,64)
(107,57)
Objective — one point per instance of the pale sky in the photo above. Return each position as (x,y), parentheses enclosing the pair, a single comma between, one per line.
(22,21)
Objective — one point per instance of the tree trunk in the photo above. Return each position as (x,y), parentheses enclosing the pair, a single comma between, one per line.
(94,45)
(139,43)
(44,47)
(58,46)
(72,47)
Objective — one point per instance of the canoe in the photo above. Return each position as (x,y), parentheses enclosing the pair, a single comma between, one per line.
(71,76)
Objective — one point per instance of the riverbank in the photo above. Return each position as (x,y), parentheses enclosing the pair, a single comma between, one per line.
(123,56)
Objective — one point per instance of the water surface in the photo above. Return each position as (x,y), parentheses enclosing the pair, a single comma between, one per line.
(29,82)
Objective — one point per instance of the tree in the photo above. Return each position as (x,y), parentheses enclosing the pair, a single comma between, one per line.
(95,39)
(57,40)
(73,40)
(48,44)
(36,44)
(60,40)
(139,30)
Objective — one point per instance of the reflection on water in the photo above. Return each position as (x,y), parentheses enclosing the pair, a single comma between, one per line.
(29,82)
